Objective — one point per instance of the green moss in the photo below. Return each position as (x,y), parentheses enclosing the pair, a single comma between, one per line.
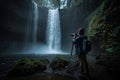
(58,63)
(104,26)
(97,20)
(26,66)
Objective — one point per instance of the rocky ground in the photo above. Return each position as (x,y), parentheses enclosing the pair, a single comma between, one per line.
(55,67)
(7,62)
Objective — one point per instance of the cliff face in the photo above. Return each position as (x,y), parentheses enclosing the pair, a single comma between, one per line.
(104,26)
(13,17)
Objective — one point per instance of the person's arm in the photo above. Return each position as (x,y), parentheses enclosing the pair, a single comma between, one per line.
(75,39)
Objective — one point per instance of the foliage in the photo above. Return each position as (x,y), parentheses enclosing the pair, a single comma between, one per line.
(104,25)
(57,3)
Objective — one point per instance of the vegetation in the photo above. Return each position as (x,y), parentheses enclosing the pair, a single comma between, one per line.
(58,3)
(26,66)
(58,63)
(104,25)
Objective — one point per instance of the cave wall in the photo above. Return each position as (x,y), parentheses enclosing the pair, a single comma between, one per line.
(104,26)
(13,19)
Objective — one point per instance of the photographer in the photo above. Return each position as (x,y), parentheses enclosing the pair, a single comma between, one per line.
(80,51)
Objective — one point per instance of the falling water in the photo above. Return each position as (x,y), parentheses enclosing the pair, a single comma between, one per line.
(28,29)
(31,29)
(35,24)
(53,31)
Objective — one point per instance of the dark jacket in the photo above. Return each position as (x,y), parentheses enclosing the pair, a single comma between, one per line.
(78,41)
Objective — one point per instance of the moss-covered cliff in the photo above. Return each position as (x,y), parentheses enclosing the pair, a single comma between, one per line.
(104,25)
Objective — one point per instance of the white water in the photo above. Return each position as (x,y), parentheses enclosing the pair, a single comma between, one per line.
(53,31)
(35,24)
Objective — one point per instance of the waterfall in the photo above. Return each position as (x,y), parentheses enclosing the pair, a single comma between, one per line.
(53,31)
(35,24)
(28,29)
(31,29)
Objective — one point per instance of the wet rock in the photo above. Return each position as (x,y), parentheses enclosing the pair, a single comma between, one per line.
(73,66)
(58,63)
(26,66)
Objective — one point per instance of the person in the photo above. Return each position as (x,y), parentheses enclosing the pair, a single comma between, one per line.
(81,54)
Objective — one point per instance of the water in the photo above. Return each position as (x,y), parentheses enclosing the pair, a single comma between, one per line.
(32,25)
(28,29)
(53,31)
(35,24)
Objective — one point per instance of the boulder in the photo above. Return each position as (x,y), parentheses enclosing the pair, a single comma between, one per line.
(58,63)
(26,66)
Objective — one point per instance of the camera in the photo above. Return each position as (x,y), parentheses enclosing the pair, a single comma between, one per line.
(74,34)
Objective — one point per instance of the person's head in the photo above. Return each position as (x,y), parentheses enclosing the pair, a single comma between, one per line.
(81,31)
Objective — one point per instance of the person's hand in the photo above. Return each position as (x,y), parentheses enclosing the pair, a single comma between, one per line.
(73,34)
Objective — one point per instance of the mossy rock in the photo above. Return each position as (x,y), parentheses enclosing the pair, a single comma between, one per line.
(58,63)
(26,66)
(104,26)
(72,67)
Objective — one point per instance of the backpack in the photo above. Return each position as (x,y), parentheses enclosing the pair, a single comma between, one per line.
(86,45)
